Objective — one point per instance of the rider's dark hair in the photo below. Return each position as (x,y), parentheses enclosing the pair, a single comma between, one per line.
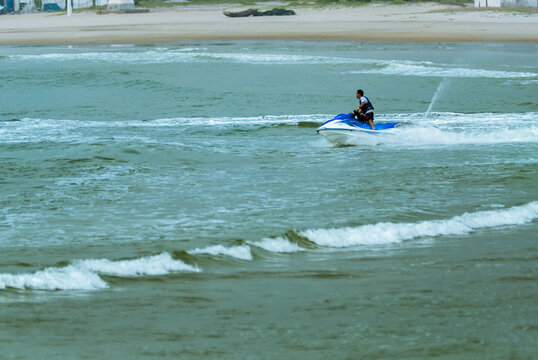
(360,92)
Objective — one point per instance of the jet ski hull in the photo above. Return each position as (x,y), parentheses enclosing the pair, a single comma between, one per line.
(346,130)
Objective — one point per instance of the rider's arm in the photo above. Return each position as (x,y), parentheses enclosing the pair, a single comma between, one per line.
(361,105)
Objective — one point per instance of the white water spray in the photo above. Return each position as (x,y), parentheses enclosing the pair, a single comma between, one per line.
(442,85)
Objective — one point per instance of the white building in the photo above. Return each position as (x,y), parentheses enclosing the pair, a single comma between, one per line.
(116,5)
(503,3)
(77,4)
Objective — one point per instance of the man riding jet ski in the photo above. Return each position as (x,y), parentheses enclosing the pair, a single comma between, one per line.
(365,111)
(356,128)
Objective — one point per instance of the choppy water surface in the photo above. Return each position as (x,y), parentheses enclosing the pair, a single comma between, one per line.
(176,202)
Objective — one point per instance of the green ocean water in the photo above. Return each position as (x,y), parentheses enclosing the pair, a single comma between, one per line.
(175,201)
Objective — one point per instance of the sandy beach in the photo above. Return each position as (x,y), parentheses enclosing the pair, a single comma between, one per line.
(376,22)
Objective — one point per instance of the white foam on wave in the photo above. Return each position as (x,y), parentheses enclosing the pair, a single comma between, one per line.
(118,57)
(280,59)
(184,55)
(203,55)
(241,252)
(67,278)
(391,233)
(161,264)
(31,130)
(277,245)
(406,68)
(528,82)
(84,274)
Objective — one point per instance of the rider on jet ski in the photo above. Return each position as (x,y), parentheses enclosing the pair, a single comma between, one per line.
(365,111)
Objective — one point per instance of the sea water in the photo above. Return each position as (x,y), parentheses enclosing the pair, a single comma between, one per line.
(174,201)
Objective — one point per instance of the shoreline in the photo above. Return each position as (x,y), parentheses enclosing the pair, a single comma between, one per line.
(426,22)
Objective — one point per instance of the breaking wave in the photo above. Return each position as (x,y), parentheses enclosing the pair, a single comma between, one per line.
(427,69)
(153,265)
(67,278)
(277,245)
(241,252)
(185,55)
(391,233)
(86,274)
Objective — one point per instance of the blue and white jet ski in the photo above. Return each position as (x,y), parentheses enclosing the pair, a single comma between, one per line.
(344,129)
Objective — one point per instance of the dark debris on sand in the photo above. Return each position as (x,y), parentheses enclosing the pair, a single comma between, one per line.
(256,12)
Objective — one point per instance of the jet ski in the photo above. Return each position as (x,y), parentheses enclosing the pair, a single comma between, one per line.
(344,129)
